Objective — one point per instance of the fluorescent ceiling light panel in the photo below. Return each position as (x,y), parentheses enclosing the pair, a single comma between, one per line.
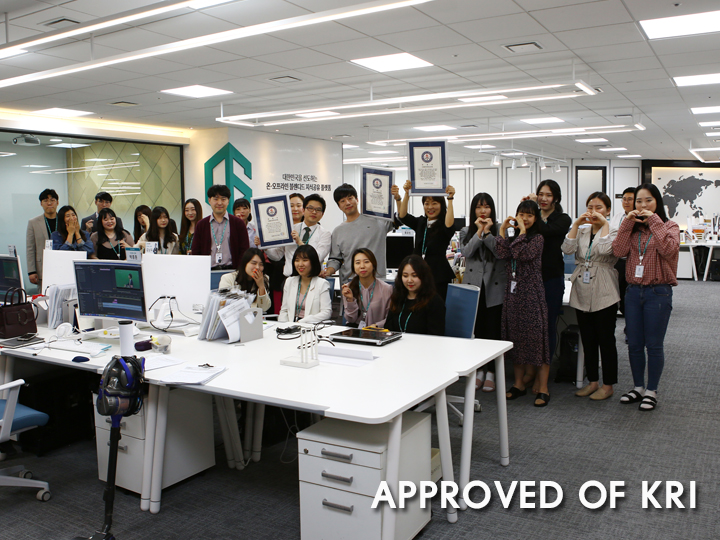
(697,80)
(682,25)
(318,114)
(435,128)
(373,160)
(640,126)
(7,154)
(696,152)
(481,98)
(98,159)
(630,156)
(618,149)
(55,140)
(546,120)
(599,139)
(196,91)
(589,90)
(346,146)
(377,143)
(63,113)
(705,110)
(212,39)
(709,124)
(480,146)
(67,145)
(513,154)
(391,62)
(383,152)
(35,166)
(460,167)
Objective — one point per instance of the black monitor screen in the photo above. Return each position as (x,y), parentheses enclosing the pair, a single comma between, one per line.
(110,289)
(397,248)
(9,275)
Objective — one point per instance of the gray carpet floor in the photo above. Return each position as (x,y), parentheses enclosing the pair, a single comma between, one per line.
(570,442)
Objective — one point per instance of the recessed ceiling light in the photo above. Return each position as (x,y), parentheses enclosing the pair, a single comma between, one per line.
(55,140)
(480,146)
(135,154)
(697,80)
(435,128)
(709,124)
(481,98)
(682,25)
(630,156)
(195,91)
(599,139)
(705,110)
(618,149)
(546,120)
(66,113)
(383,152)
(67,145)
(346,146)
(318,114)
(391,62)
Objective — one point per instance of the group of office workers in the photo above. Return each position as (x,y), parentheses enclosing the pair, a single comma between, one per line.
(517,263)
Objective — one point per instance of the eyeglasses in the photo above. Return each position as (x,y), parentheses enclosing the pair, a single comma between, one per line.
(314,209)
(628,199)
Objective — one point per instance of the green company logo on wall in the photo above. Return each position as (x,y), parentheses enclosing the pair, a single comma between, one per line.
(229,154)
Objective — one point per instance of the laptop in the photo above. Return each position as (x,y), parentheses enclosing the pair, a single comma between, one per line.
(377,338)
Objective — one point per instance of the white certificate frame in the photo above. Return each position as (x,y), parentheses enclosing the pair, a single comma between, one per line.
(280,204)
(386,178)
(431,148)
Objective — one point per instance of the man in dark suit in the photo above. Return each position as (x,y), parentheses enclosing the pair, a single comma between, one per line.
(91,223)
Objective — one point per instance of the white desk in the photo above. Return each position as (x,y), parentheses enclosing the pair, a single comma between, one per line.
(711,246)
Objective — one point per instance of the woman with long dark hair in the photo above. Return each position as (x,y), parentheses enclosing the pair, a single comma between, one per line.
(651,243)
(111,239)
(141,224)
(484,270)
(415,305)
(524,317)
(249,277)
(306,296)
(433,232)
(68,236)
(160,232)
(192,213)
(366,298)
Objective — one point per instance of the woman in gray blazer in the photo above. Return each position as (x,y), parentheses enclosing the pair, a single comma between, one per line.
(483,269)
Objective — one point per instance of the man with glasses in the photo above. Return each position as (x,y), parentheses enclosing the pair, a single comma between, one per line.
(628,204)
(309,231)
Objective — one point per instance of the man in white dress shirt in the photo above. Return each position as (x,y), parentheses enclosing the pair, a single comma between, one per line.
(309,231)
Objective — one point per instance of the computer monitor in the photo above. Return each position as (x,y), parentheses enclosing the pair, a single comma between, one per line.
(10,276)
(397,248)
(460,222)
(111,289)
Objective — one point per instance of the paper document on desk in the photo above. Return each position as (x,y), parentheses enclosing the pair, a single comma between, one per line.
(230,317)
(344,356)
(194,375)
(71,345)
(158,361)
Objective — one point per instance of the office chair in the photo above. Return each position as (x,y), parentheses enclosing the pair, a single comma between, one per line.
(16,418)
(461,306)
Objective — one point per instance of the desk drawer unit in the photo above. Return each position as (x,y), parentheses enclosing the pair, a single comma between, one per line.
(341,465)
(189,444)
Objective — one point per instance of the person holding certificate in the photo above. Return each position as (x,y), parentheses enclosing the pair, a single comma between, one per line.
(306,232)
(433,232)
(306,297)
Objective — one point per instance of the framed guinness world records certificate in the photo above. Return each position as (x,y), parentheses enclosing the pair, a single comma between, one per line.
(376,188)
(428,167)
(274,220)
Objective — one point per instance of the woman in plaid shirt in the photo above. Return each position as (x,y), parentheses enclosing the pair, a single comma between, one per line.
(651,244)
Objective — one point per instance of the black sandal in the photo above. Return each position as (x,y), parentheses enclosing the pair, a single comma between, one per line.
(633,396)
(649,402)
(515,393)
(541,396)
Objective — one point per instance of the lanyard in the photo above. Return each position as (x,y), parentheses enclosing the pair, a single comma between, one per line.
(188,237)
(113,247)
(48,225)
(587,255)
(403,328)
(212,229)
(641,253)
(298,304)
(424,237)
(513,265)
(360,302)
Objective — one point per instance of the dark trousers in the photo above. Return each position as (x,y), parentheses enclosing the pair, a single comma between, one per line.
(597,331)
(487,323)
(620,267)
(554,290)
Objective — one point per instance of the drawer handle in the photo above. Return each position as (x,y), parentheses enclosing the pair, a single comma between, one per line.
(348,509)
(109,421)
(347,457)
(122,447)
(336,477)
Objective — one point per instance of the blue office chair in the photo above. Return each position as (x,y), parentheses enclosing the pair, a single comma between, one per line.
(331,282)
(16,418)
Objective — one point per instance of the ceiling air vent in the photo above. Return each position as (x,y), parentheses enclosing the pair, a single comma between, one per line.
(624,116)
(532,46)
(469,126)
(62,22)
(124,104)
(285,79)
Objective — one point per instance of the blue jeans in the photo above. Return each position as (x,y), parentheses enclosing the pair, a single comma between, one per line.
(647,312)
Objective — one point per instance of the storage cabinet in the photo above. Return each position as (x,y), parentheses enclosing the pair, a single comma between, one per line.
(341,465)
(189,446)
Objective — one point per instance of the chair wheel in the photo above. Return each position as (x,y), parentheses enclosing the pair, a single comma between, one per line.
(43,495)
(25,474)
(478,407)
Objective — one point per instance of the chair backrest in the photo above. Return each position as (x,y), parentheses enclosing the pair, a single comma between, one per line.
(331,282)
(569,262)
(461,307)
(7,412)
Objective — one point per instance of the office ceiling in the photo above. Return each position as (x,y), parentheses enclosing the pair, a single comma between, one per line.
(464,40)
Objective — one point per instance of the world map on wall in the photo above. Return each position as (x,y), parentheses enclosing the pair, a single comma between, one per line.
(688,192)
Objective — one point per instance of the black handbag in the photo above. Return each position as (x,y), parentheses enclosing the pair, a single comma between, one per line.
(17,317)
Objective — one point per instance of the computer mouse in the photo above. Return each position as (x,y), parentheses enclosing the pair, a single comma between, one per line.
(81,359)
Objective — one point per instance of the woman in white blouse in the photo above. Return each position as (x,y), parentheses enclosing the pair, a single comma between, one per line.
(595,293)
(306,296)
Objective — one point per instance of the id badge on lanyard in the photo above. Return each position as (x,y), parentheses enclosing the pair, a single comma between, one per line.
(639,269)
(513,282)
(218,254)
